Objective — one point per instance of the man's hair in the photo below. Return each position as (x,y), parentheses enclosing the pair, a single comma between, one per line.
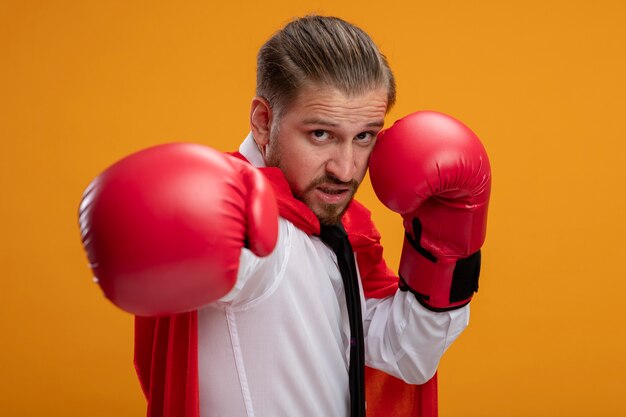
(321,50)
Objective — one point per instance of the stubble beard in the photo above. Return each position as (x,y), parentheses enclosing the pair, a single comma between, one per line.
(327,214)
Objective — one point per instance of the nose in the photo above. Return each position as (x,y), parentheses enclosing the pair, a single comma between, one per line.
(342,164)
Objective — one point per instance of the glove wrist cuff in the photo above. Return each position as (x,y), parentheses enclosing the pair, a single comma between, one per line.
(438,283)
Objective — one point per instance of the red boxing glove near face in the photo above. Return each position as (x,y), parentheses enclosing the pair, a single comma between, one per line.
(163,228)
(434,171)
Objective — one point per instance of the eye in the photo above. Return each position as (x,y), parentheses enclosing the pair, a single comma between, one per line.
(319,135)
(365,137)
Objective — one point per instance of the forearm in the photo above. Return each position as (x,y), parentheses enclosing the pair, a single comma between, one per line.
(405,339)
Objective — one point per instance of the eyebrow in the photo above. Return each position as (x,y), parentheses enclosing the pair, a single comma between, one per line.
(322,122)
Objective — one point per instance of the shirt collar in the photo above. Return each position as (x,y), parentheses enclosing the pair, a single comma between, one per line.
(250,150)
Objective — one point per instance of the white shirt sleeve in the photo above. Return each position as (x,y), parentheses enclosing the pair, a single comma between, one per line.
(407,340)
(258,277)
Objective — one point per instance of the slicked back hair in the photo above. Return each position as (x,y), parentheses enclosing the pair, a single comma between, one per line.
(325,51)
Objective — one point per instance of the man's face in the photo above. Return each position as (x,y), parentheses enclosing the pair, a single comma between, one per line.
(322,143)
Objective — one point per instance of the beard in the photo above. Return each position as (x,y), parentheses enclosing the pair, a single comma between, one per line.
(327,214)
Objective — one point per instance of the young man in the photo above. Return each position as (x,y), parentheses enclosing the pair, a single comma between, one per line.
(286,334)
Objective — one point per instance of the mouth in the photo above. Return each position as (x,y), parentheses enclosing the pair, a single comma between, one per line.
(332,194)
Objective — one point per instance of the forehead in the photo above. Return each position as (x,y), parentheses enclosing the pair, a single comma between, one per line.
(321,101)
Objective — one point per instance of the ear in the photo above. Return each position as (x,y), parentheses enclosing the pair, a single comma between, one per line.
(261,121)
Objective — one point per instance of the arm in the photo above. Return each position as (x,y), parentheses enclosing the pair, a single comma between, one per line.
(434,172)
(402,338)
(407,340)
(164,228)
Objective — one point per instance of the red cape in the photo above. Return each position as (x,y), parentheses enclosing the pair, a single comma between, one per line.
(166,348)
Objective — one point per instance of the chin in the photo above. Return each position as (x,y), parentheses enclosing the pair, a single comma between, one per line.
(327,214)
(330,214)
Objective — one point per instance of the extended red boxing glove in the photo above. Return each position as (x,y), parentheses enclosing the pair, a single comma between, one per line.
(163,228)
(434,171)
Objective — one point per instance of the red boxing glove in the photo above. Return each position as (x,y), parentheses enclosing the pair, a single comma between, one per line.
(163,228)
(434,171)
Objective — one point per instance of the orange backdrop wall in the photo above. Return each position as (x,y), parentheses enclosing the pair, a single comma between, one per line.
(83,83)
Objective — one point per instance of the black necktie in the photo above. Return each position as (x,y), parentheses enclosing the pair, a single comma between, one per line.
(337,239)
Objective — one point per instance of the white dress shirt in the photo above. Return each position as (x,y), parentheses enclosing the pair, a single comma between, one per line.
(278,343)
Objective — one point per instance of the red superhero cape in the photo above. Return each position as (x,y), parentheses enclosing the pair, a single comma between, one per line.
(166,348)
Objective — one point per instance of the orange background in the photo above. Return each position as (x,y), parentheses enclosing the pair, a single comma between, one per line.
(84,83)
